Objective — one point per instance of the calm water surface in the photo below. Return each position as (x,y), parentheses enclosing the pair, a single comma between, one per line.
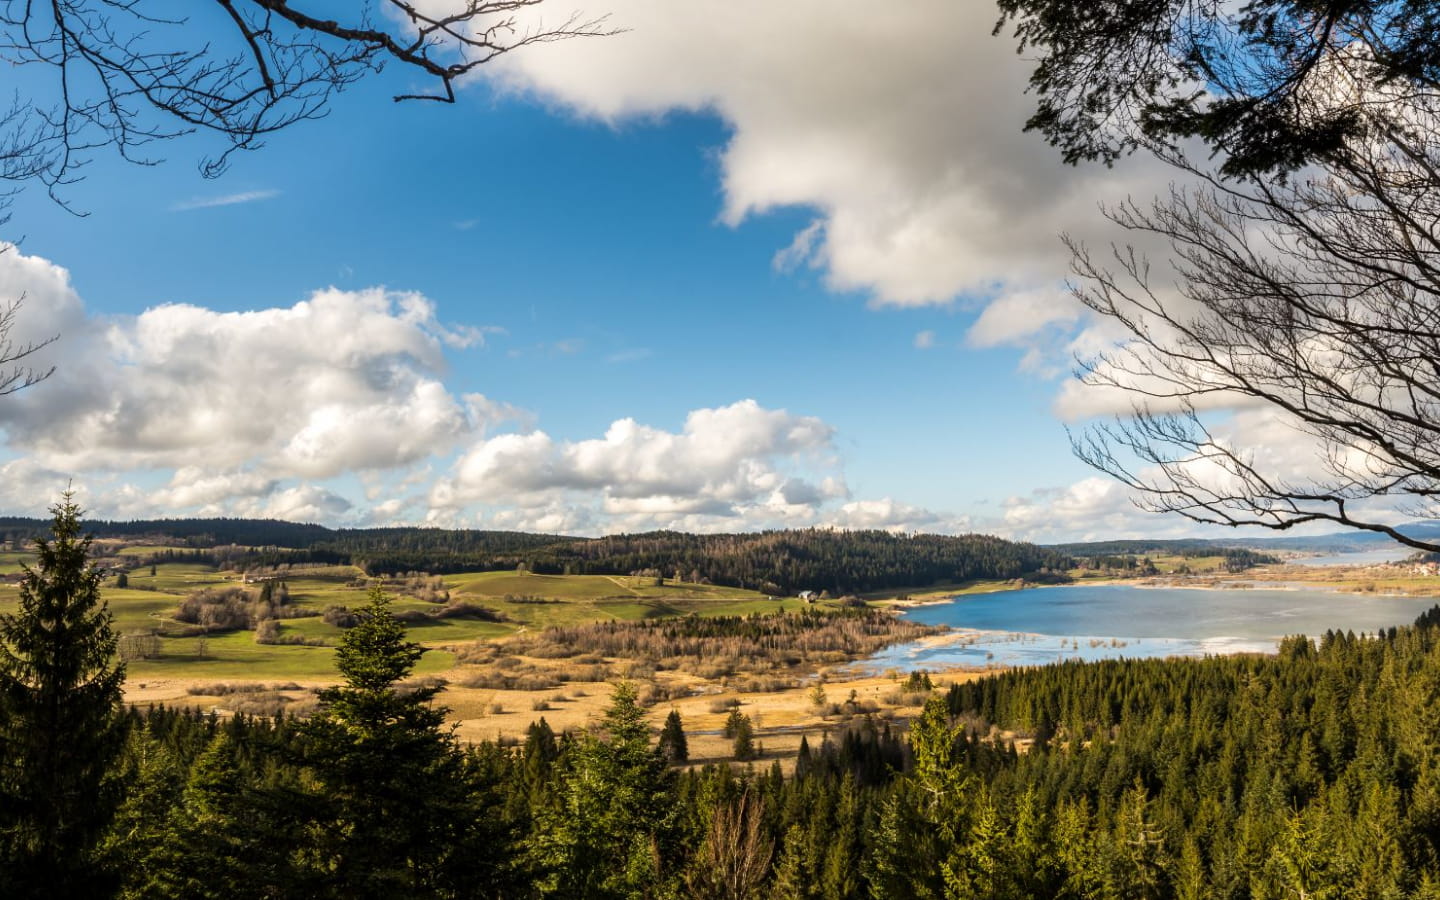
(1358,558)
(1048,624)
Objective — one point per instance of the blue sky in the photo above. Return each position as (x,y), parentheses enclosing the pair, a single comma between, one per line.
(849,284)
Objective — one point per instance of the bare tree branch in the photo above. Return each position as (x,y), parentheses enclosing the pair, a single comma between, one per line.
(1317,297)
(125,77)
(15,375)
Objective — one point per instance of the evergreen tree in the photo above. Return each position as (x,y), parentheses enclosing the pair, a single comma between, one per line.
(672,739)
(924,822)
(608,835)
(744,735)
(397,801)
(60,732)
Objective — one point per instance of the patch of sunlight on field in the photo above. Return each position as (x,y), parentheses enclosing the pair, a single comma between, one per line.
(138,610)
(179,577)
(236,656)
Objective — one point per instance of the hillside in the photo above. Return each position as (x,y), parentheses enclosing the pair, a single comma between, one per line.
(1340,542)
(772,561)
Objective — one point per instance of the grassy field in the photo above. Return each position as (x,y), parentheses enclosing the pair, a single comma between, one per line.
(148,603)
(10,560)
(596,598)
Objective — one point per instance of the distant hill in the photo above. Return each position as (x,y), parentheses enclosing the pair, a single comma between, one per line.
(189,532)
(840,562)
(1339,542)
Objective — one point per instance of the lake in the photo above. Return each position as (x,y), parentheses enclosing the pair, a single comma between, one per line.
(1356,558)
(1105,621)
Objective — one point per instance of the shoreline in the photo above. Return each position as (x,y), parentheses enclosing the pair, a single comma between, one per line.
(1180,582)
(980,648)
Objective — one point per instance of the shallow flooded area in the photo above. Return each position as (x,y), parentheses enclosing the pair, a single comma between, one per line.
(1106,621)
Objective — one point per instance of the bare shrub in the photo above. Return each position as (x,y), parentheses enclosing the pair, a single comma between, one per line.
(765,684)
(233,608)
(501,681)
(273,704)
(223,689)
(267,631)
(340,617)
(468,611)
(722,646)
(139,645)
(421,683)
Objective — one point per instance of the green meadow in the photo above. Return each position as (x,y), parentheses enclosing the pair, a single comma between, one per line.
(523,601)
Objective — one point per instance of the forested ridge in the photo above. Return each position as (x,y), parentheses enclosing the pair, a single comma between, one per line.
(773,561)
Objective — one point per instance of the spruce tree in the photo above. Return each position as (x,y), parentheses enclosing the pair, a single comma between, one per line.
(672,739)
(744,745)
(612,830)
(400,806)
(60,730)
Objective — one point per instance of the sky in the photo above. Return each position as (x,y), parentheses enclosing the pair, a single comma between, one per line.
(741,266)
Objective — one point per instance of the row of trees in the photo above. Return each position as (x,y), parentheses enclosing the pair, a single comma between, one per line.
(776,561)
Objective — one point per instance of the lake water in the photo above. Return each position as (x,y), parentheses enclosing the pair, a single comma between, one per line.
(1357,558)
(1049,624)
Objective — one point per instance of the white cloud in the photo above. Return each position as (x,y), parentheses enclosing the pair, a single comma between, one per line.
(225,200)
(1017,316)
(727,462)
(903,129)
(888,514)
(30,486)
(1095,508)
(335,410)
(305,503)
(1101,508)
(234,406)
(194,487)
(301,391)
(924,340)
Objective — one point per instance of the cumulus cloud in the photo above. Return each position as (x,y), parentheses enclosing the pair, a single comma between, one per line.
(339,382)
(1100,508)
(335,410)
(236,407)
(887,514)
(1020,315)
(29,484)
(304,503)
(903,130)
(724,463)
(1094,508)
